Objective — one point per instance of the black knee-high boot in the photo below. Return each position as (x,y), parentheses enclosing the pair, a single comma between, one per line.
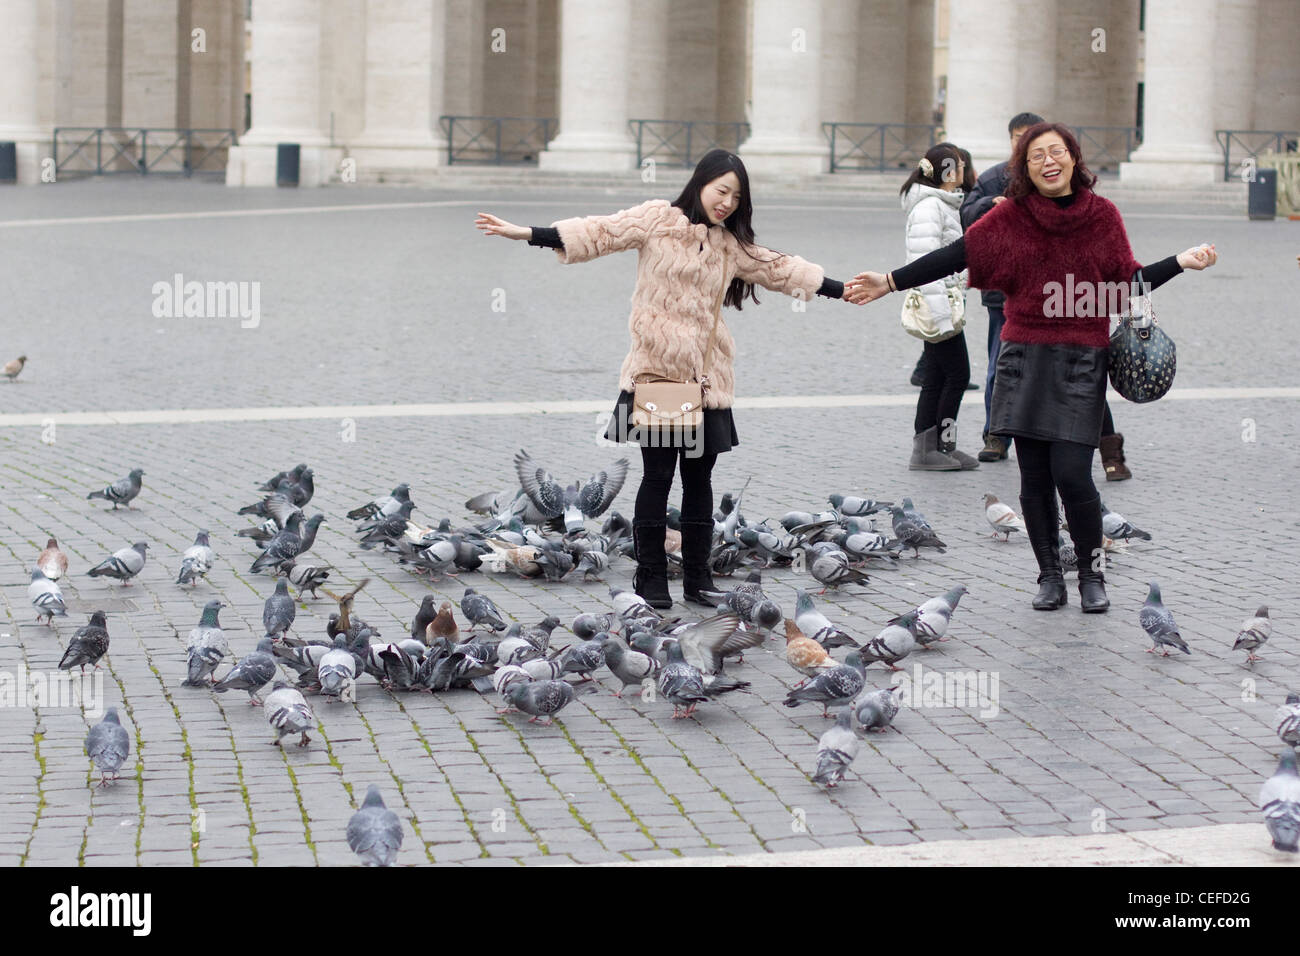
(1084,518)
(1043,524)
(651,581)
(697,546)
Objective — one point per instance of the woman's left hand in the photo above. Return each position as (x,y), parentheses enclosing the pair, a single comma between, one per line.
(1198,257)
(865,287)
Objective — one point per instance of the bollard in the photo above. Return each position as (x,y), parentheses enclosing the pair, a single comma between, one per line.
(1261,200)
(8,163)
(286,164)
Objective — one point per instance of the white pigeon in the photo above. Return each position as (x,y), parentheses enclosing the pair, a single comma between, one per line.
(1254,632)
(892,644)
(1288,720)
(1001,518)
(287,713)
(1280,800)
(337,673)
(503,678)
(836,750)
(46,597)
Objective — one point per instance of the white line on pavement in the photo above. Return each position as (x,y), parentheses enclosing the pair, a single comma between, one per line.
(193,416)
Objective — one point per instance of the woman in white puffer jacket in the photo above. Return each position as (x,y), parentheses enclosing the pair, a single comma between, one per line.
(932,198)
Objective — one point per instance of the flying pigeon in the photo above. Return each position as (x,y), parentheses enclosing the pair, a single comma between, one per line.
(197,560)
(836,686)
(107,745)
(1254,632)
(207,647)
(88,645)
(1001,518)
(45,597)
(52,562)
(1280,800)
(121,492)
(1159,623)
(575,502)
(253,672)
(287,713)
(123,564)
(374,832)
(836,750)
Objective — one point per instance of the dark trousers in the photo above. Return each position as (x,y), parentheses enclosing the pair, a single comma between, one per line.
(1047,467)
(659,465)
(996,319)
(947,373)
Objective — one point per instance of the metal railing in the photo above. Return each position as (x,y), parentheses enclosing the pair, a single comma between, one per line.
(879,147)
(107,150)
(496,140)
(1241,144)
(1105,147)
(683,142)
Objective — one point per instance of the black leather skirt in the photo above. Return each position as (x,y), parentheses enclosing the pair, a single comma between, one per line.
(717,433)
(1049,392)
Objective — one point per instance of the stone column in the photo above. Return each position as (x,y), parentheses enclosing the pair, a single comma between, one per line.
(648,61)
(841,93)
(1122,56)
(595,40)
(787,138)
(733,60)
(20,124)
(983,88)
(286,84)
(1178,147)
(403,56)
(919,87)
(155,78)
(1277,70)
(1234,81)
(1041,50)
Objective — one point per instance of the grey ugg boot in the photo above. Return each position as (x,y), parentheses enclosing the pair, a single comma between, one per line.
(926,455)
(966,461)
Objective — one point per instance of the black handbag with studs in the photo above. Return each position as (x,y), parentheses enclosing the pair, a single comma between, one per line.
(1142,357)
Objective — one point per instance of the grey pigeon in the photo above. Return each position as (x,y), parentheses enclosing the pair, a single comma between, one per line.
(583,658)
(479,609)
(108,745)
(374,832)
(576,502)
(681,684)
(1115,525)
(502,678)
(832,569)
(121,492)
(705,644)
(913,535)
(837,686)
(933,616)
(876,709)
(1288,720)
(206,647)
(253,672)
(1280,800)
(88,645)
(539,698)
(630,666)
(385,506)
(285,546)
(123,564)
(836,750)
(1254,632)
(305,577)
(912,514)
(587,626)
(287,713)
(1159,623)
(46,597)
(817,626)
(857,507)
(279,610)
(197,560)
(892,644)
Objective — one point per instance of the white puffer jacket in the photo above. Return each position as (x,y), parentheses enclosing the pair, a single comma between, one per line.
(934,221)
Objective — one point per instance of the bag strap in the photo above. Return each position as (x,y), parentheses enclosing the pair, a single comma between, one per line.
(717,317)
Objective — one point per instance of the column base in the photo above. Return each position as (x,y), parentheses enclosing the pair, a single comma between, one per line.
(256,165)
(588,153)
(32,146)
(1172,168)
(374,159)
(785,158)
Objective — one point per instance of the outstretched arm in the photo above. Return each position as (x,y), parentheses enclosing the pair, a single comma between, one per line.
(583,238)
(780,272)
(869,286)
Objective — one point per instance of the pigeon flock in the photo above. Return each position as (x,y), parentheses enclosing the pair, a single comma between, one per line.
(544,530)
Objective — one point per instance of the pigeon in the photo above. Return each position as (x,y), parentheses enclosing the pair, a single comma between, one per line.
(876,709)
(630,666)
(52,562)
(1001,518)
(913,535)
(896,641)
(287,713)
(88,645)
(45,597)
(681,684)
(804,654)
(284,546)
(479,609)
(121,492)
(253,672)
(123,564)
(1280,800)
(284,477)
(816,625)
(933,617)
(587,626)
(1068,556)
(857,507)
(539,698)
(576,502)
(207,647)
(1254,633)
(107,745)
(197,560)
(836,750)
(374,832)
(503,677)
(839,685)
(305,577)
(279,611)
(583,658)
(909,510)
(13,367)
(832,569)
(1115,525)
(1288,720)
(384,507)
(443,625)
(424,616)
(1159,623)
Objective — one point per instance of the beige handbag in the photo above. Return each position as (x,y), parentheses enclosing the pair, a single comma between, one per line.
(659,402)
(919,320)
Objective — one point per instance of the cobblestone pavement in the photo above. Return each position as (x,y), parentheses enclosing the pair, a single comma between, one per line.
(376,307)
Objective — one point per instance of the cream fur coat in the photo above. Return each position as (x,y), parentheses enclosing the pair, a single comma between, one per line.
(680,270)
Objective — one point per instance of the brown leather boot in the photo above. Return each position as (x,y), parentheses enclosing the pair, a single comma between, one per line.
(1112,457)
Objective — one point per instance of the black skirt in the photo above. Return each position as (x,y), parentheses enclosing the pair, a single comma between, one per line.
(1049,392)
(719,430)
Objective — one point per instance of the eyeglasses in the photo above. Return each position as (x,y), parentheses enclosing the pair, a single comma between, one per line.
(1038,156)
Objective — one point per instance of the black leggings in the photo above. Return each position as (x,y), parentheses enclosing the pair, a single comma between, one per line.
(1107,423)
(947,373)
(657,480)
(1049,466)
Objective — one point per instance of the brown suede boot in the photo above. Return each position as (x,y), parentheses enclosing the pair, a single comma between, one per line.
(1112,457)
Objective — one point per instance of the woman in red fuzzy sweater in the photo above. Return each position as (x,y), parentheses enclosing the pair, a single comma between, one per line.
(1061,255)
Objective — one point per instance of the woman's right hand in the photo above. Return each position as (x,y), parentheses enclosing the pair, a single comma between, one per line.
(490,225)
(866,287)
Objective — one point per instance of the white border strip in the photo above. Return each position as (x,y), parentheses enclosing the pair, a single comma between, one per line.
(195,416)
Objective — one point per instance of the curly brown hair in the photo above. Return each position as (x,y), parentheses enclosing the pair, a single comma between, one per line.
(1020,185)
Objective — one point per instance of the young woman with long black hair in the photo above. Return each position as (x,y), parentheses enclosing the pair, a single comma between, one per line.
(695,254)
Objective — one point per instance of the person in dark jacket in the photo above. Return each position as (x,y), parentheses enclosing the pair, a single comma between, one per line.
(986,193)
